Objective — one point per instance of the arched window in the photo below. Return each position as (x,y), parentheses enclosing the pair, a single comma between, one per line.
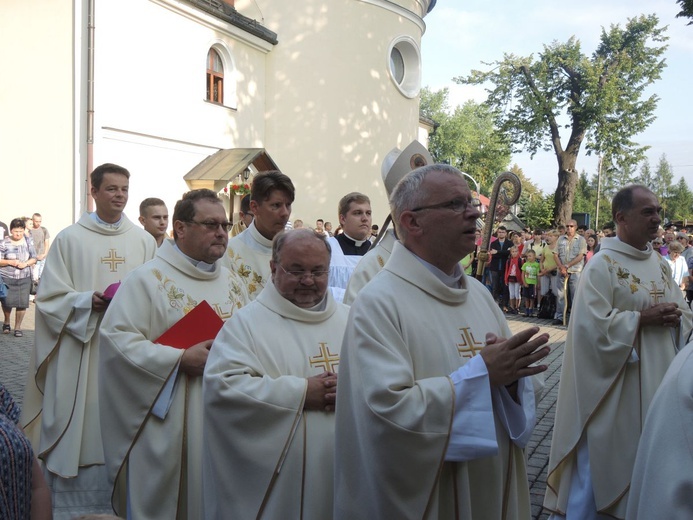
(215,77)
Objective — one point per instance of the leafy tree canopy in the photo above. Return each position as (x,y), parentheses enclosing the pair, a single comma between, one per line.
(686,9)
(597,100)
(465,137)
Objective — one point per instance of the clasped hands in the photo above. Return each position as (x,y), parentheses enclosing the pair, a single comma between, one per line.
(509,359)
(661,314)
(321,393)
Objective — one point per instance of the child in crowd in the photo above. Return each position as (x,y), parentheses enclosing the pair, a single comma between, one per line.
(513,279)
(530,275)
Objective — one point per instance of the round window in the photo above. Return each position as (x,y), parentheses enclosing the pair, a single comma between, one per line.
(405,66)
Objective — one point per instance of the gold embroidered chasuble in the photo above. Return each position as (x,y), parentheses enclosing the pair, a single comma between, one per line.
(161,458)
(407,332)
(255,425)
(61,412)
(605,391)
(249,255)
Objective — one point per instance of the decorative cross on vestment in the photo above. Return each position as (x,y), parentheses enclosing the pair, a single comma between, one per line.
(325,359)
(469,346)
(656,293)
(112,259)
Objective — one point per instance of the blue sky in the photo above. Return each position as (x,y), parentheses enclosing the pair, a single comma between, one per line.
(461,34)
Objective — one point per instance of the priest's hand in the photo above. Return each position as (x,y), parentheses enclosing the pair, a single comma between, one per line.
(321,393)
(98,303)
(507,360)
(661,314)
(194,359)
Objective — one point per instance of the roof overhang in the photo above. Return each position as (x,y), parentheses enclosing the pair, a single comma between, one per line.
(220,168)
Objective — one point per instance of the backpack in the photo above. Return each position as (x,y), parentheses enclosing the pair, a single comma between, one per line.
(547,309)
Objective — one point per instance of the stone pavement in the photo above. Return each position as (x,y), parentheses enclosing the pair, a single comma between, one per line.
(14,360)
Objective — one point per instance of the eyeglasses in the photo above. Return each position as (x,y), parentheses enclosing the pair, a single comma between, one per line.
(299,275)
(456,205)
(570,225)
(212,225)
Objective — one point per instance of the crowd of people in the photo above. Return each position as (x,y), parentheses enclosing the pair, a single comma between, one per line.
(526,267)
(197,376)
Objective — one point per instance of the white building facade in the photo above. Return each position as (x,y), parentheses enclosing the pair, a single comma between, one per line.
(326,87)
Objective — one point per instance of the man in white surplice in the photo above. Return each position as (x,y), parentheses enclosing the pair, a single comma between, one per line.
(434,405)
(629,320)
(249,253)
(269,392)
(151,394)
(396,165)
(61,406)
(349,246)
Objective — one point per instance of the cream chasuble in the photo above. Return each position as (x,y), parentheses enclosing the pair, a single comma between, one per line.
(61,409)
(407,332)
(663,472)
(156,457)
(265,456)
(249,255)
(371,264)
(611,369)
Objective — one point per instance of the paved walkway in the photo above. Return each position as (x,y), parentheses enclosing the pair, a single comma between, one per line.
(14,359)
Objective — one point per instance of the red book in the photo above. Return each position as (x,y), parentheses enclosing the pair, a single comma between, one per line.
(110,291)
(200,324)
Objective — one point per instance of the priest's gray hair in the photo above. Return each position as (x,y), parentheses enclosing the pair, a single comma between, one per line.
(282,236)
(408,195)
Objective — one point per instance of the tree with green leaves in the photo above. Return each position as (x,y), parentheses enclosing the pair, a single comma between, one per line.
(599,96)
(680,201)
(686,9)
(465,137)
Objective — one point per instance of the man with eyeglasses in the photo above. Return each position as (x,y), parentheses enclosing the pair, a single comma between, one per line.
(249,253)
(434,405)
(269,392)
(570,252)
(629,320)
(151,393)
(61,408)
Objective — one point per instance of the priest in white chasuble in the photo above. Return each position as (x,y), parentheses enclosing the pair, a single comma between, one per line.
(249,253)
(151,393)
(435,400)
(269,393)
(663,472)
(629,320)
(61,409)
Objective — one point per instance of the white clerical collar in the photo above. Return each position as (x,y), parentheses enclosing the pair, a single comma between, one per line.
(450,280)
(113,225)
(358,243)
(202,266)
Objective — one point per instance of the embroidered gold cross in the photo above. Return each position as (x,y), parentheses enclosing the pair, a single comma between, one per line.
(469,346)
(113,259)
(656,293)
(325,359)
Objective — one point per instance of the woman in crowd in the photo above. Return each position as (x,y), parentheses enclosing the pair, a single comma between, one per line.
(592,242)
(17,255)
(679,268)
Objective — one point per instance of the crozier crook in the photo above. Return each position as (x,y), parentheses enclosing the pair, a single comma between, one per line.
(507,200)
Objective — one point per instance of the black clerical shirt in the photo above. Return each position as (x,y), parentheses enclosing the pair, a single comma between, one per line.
(349,246)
